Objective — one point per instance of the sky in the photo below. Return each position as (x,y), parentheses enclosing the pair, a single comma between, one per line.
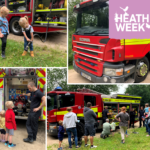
(121,89)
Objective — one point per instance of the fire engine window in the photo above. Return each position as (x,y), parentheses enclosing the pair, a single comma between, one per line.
(66,100)
(91,99)
(51,102)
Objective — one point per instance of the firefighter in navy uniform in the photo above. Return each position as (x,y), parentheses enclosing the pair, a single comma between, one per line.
(35,111)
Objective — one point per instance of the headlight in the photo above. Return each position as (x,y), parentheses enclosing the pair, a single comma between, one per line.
(113,72)
(53,127)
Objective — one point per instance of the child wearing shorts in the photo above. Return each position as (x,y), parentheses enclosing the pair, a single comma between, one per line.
(60,134)
(2,126)
(10,124)
(113,126)
(27,30)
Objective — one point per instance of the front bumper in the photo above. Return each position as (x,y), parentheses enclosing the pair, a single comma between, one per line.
(53,132)
(102,79)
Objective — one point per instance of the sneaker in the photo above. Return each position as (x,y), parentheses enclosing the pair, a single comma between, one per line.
(12,145)
(86,145)
(93,146)
(78,146)
(6,144)
(3,55)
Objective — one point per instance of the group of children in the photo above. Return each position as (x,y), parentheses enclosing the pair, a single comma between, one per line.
(7,125)
(27,30)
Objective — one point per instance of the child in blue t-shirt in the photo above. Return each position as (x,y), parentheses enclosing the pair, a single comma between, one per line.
(27,31)
(60,134)
(4,30)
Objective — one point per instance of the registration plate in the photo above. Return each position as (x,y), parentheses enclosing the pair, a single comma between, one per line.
(86,76)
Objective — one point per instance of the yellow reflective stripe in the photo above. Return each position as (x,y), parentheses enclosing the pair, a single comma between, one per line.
(60,113)
(51,22)
(44,116)
(1,83)
(120,100)
(99,114)
(95,109)
(134,41)
(128,96)
(80,115)
(44,10)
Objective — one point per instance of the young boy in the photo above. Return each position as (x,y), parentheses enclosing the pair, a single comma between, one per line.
(60,134)
(4,30)
(28,34)
(2,126)
(113,126)
(10,124)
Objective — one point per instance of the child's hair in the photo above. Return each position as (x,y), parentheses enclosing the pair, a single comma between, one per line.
(2,113)
(4,9)
(23,21)
(9,104)
(60,122)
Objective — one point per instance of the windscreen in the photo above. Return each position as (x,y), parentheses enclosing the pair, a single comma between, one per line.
(93,20)
(51,102)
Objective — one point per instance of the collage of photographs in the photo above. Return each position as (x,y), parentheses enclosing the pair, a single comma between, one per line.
(74,74)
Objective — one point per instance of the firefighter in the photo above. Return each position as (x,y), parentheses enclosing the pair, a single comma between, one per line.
(132,117)
(105,114)
(35,111)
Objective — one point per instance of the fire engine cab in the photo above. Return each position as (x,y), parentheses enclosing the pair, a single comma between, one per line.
(58,101)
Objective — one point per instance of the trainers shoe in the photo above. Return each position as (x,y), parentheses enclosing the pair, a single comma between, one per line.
(86,145)
(93,146)
(6,144)
(24,53)
(3,55)
(12,145)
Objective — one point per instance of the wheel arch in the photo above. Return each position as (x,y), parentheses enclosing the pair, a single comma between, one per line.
(148,57)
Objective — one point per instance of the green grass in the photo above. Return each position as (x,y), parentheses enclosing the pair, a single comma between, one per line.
(43,56)
(70,67)
(132,142)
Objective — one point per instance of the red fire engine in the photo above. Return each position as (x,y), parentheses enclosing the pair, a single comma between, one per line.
(101,59)
(58,101)
(44,16)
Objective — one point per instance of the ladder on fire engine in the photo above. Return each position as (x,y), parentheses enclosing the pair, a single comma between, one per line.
(84,90)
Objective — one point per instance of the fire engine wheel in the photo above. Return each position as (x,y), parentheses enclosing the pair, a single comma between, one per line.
(15,27)
(142,69)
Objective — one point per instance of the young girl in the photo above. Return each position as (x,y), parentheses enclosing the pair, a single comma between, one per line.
(60,134)
(113,125)
(2,126)
(27,30)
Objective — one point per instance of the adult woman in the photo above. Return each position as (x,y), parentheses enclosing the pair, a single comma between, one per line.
(124,122)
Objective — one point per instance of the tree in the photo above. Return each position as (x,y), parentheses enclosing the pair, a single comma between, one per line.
(140,90)
(58,77)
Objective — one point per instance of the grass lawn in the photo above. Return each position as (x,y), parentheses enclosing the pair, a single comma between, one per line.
(44,56)
(133,142)
(70,67)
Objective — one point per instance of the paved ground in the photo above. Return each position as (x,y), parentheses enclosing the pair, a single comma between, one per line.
(74,77)
(55,40)
(53,140)
(21,133)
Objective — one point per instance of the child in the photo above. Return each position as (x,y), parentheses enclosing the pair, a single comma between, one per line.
(10,124)
(60,134)
(4,30)
(113,126)
(28,34)
(2,126)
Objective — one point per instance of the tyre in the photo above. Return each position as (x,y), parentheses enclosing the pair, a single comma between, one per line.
(15,28)
(142,69)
